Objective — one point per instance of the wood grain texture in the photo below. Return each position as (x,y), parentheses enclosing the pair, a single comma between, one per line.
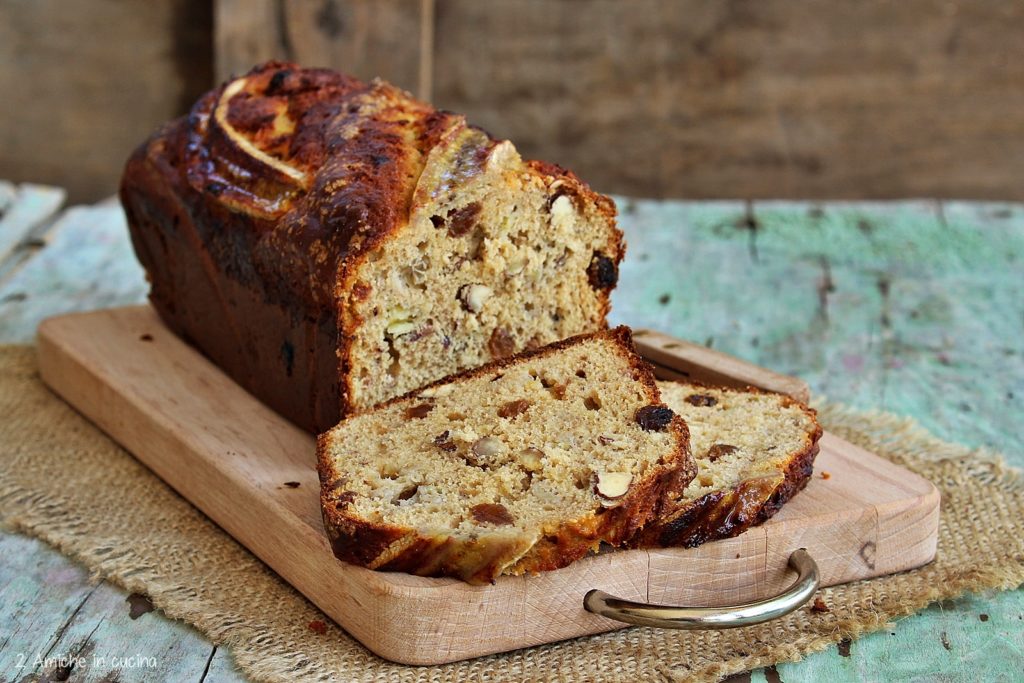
(688,272)
(230,456)
(87,262)
(85,82)
(24,208)
(366,38)
(60,617)
(698,99)
(897,306)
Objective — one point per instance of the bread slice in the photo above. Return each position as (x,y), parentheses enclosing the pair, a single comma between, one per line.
(332,243)
(522,465)
(754,451)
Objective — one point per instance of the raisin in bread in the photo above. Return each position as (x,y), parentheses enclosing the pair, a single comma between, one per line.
(520,466)
(754,451)
(332,243)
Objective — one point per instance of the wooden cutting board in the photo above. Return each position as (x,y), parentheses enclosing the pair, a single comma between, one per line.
(252,472)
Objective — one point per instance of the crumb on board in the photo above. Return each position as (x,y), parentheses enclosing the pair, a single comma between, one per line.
(826,475)
(292,484)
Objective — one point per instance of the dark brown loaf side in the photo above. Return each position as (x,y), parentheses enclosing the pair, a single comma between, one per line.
(332,243)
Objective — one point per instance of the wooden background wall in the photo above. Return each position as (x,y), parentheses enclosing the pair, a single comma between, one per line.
(683,98)
(84,81)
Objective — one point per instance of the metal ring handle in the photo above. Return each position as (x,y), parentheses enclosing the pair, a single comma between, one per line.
(666,616)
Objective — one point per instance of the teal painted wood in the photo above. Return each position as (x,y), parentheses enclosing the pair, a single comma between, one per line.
(55,623)
(222,668)
(103,643)
(87,263)
(40,592)
(914,307)
(885,306)
(24,209)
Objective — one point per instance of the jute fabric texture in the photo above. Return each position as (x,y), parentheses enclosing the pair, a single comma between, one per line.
(65,482)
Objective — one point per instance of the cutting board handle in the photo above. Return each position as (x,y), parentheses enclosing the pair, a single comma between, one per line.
(666,616)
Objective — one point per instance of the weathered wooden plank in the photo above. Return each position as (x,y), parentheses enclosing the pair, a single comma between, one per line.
(54,621)
(950,641)
(88,263)
(222,668)
(24,208)
(117,636)
(754,99)
(882,305)
(795,287)
(40,593)
(83,83)
(367,38)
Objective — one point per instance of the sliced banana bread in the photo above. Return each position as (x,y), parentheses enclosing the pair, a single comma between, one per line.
(754,451)
(332,243)
(523,465)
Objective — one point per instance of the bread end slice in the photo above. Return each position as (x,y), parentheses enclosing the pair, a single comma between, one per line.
(754,451)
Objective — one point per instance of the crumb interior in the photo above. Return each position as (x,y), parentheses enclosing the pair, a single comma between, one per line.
(488,267)
(736,435)
(520,448)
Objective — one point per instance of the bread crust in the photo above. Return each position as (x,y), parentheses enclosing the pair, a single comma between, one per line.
(729,512)
(482,559)
(253,250)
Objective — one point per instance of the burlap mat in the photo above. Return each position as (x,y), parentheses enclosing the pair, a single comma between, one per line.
(65,482)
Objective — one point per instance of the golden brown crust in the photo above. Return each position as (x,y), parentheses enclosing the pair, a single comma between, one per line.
(253,214)
(729,512)
(382,546)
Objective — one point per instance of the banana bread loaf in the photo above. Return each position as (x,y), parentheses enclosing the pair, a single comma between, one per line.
(523,465)
(754,451)
(332,244)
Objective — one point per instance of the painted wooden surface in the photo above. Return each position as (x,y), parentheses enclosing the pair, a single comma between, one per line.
(715,272)
(179,415)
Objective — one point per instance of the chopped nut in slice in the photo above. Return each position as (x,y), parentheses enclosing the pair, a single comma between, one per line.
(532,459)
(400,322)
(488,447)
(561,211)
(702,400)
(473,297)
(612,485)
(516,265)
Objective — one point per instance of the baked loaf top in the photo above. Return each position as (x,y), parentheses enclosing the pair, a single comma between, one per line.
(520,466)
(754,451)
(353,206)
